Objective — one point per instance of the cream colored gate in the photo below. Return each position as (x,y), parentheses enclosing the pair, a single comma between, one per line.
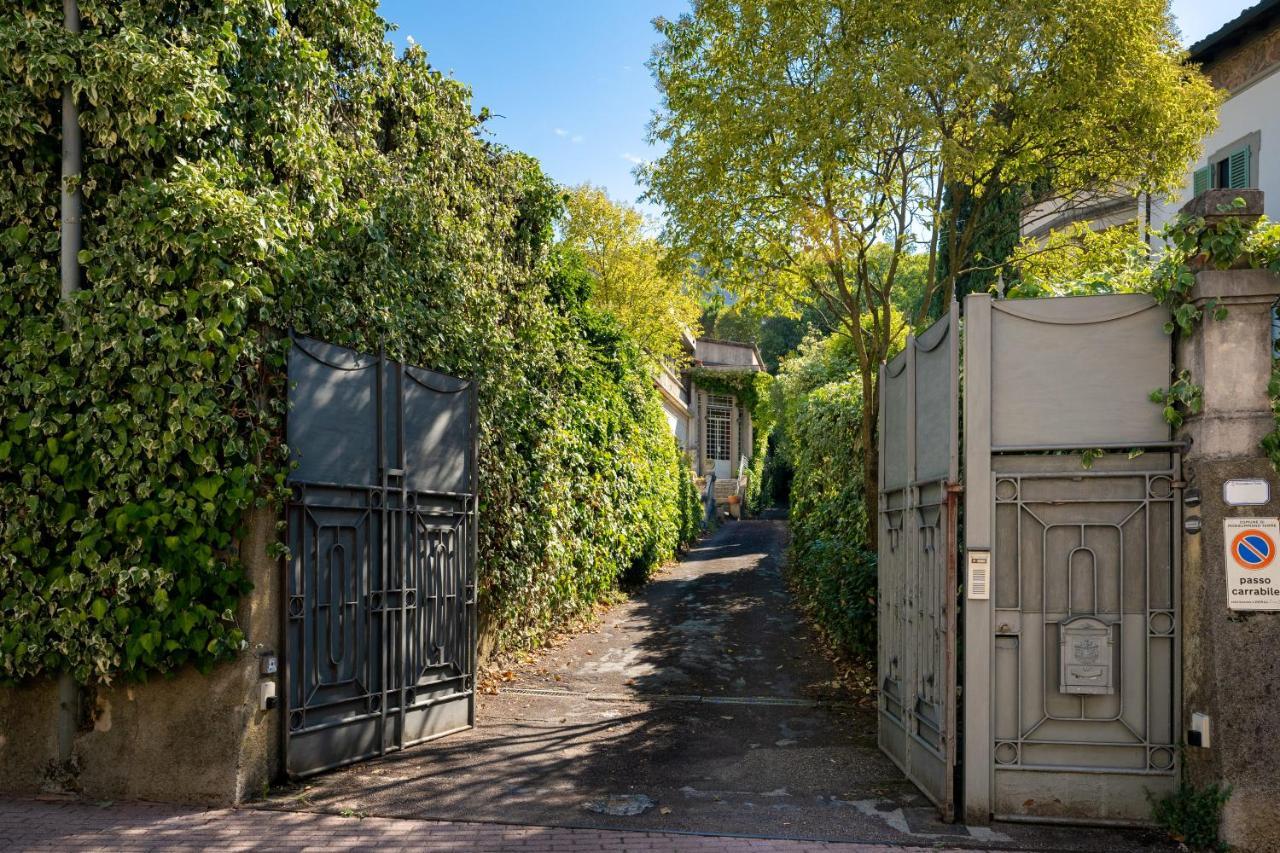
(1068,581)
(919,444)
(1072,509)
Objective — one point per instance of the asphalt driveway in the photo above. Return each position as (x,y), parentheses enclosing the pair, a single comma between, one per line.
(701,704)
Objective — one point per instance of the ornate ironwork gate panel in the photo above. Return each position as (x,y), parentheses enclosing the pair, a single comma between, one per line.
(380,580)
(919,472)
(1072,654)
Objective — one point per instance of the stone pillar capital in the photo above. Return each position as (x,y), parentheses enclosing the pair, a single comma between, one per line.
(1217,205)
(1236,287)
(1231,359)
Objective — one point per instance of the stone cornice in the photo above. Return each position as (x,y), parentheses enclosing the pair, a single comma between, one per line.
(1247,63)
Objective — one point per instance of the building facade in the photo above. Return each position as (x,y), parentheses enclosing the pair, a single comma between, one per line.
(1242,58)
(713,428)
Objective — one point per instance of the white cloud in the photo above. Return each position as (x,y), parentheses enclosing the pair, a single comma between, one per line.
(577,139)
(633,158)
(560,131)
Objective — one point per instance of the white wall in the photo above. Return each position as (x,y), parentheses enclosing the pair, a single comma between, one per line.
(1254,108)
(675,399)
(679,423)
(713,353)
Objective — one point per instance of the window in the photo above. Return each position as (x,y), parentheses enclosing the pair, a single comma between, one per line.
(719,411)
(1227,170)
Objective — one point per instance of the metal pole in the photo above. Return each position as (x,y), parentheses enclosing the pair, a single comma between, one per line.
(71,154)
(68,690)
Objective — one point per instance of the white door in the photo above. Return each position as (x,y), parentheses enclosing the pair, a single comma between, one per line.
(719,433)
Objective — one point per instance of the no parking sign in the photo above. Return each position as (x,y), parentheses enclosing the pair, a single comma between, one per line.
(1253,568)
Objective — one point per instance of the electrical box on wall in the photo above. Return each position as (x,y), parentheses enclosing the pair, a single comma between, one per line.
(267,696)
(1198,734)
(1086,657)
(1250,492)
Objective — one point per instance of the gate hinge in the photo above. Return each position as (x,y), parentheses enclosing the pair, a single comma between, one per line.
(955,488)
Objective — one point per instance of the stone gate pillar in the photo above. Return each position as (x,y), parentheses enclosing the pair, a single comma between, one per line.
(1230,658)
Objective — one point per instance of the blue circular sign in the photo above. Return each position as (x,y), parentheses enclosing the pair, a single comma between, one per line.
(1253,548)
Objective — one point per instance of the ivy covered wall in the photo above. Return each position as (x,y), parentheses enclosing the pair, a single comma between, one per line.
(251,167)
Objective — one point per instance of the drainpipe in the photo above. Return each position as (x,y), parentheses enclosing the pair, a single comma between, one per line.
(68,690)
(70,170)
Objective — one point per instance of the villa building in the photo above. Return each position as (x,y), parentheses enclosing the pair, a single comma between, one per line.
(713,428)
(1243,59)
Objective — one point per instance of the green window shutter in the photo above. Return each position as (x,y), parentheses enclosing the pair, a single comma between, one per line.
(1202,180)
(1239,168)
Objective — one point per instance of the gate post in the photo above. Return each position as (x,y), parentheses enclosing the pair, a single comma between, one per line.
(1231,670)
(978,537)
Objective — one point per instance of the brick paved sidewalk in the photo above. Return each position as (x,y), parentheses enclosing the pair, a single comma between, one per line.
(73,825)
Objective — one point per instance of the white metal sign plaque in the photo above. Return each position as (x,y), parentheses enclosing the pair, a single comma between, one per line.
(979,585)
(1246,492)
(1253,570)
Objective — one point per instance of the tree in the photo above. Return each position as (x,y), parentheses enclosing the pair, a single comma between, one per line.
(652,305)
(810,145)
(1078,261)
(1064,100)
(995,233)
(251,168)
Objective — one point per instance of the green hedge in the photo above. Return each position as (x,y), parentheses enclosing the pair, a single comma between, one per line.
(832,567)
(251,167)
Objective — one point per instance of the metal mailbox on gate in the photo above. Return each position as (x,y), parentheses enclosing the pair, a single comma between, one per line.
(1085,652)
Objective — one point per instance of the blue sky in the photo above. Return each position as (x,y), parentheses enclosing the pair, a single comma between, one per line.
(567,78)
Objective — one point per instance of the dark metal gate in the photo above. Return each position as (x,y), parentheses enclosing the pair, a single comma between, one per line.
(380,584)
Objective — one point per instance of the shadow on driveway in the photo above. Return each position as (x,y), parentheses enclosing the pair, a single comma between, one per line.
(701,704)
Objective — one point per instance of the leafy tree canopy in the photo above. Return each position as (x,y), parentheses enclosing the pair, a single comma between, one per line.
(1080,260)
(654,306)
(801,136)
